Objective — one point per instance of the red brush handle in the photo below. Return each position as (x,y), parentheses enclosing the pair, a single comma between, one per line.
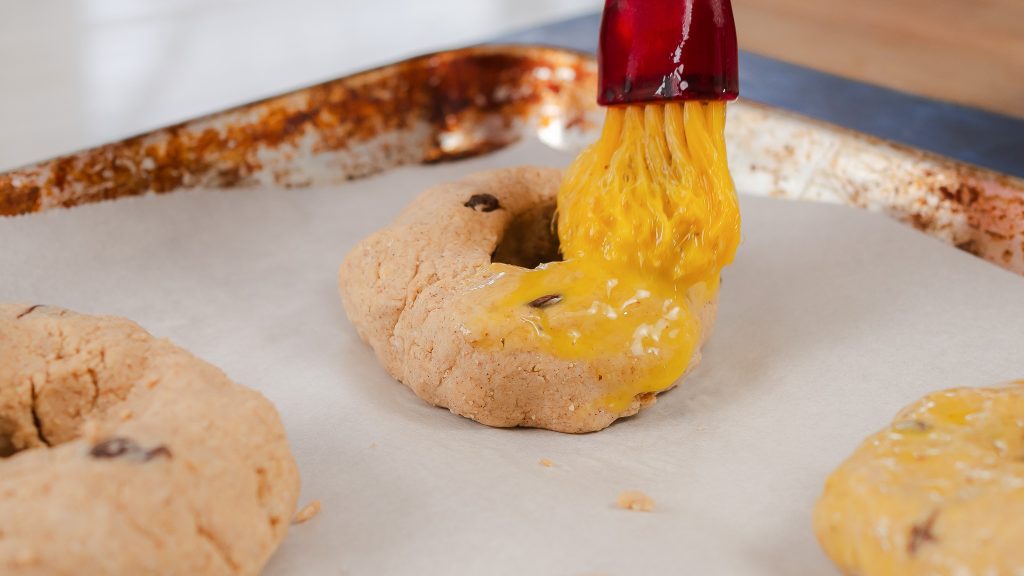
(657,50)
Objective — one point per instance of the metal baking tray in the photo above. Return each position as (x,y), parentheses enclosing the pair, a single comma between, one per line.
(821,341)
(467,102)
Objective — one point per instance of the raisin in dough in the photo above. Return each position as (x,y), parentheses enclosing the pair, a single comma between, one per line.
(400,288)
(124,454)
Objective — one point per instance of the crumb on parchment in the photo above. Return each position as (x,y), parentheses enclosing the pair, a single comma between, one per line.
(307,513)
(546,463)
(635,500)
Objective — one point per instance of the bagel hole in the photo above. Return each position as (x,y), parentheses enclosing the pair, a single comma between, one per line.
(15,432)
(7,429)
(530,239)
(56,414)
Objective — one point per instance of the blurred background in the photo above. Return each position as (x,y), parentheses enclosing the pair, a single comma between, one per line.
(76,73)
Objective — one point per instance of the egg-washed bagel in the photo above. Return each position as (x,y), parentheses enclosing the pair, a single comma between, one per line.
(940,491)
(122,454)
(422,292)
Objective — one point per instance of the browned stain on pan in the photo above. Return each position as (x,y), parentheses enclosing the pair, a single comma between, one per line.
(785,155)
(422,99)
(471,101)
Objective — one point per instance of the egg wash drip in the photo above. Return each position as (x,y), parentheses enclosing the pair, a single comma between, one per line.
(647,218)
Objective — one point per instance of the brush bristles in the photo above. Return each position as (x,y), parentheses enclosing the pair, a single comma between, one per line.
(654,192)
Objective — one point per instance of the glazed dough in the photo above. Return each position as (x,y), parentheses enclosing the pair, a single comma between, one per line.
(407,289)
(124,454)
(938,492)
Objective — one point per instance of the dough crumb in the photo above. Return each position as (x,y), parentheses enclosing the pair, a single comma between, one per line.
(635,500)
(307,513)
(546,463)
(373,444)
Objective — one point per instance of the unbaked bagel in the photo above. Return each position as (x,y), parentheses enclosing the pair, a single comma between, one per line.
(413,288)
(124,454)
(940,491)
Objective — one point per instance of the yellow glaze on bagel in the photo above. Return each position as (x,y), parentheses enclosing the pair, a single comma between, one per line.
(647,218)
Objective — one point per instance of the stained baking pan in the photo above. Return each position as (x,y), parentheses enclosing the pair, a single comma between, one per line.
(467,102)
(830,319)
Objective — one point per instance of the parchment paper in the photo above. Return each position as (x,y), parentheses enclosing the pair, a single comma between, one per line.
(831,319)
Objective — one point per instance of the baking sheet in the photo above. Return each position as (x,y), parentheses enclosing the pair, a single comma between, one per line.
(474,100)
(831,319)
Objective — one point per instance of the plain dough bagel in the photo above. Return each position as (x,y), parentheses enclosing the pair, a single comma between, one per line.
(124,454)
(401,287)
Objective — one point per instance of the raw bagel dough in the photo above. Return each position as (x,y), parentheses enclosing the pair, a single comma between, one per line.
(124,454)
(938,492)
(404,288)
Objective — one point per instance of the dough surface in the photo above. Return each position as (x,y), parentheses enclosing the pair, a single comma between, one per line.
(123,454)
(407,289)
(939,492)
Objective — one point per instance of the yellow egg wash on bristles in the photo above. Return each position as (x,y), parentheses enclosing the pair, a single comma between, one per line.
(654,193)
(647,218)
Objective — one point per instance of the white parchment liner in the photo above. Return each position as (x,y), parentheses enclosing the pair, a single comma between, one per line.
(831,319)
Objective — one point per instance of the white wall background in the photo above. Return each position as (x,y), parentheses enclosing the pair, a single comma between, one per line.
(76,73)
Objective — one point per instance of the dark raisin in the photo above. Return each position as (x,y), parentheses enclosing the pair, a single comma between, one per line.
(486,203)
(160,451)
(545,301)
(921,534)
(113,448)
